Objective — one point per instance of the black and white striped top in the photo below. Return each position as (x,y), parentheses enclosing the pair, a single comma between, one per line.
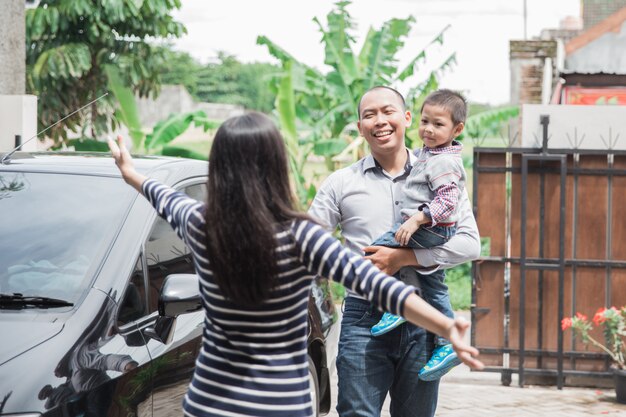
(253,361)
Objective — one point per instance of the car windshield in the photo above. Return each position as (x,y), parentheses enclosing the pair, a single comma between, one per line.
(55,231)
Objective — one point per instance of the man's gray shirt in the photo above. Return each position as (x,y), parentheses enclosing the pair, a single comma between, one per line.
(365,201)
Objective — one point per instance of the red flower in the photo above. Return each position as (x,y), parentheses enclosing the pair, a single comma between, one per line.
(599,318)
(581,317)
(566,323)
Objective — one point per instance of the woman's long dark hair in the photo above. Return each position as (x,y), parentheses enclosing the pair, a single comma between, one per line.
(249,197)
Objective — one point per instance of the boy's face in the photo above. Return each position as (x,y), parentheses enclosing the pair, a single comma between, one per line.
(436,127)
(383,121)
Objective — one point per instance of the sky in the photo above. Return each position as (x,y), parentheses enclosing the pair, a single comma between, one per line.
(479,33)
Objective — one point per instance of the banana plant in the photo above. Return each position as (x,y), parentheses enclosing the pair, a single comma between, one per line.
(318,111)
(152,142)
(489,123)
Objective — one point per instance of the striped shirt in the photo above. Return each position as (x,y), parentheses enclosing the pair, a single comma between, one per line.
(253,360)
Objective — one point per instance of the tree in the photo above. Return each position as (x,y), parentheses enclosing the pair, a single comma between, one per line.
(69,42)
(230,81)
(180,68)
(227,80)
(317,110)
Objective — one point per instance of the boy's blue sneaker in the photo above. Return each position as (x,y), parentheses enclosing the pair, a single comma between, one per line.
(443,359)
(387,323)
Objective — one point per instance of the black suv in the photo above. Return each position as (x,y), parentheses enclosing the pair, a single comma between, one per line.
(99,304)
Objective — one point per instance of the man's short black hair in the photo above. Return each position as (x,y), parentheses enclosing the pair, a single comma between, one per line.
(379,87)
(450,100)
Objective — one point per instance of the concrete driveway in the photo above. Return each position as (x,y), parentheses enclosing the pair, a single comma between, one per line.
(464,393)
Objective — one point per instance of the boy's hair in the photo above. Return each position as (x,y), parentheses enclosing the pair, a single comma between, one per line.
(381,87)
(450,100)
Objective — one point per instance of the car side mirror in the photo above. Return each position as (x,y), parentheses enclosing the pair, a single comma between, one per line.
(180,294)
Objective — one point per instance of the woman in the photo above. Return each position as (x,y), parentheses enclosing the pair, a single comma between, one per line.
(256,256)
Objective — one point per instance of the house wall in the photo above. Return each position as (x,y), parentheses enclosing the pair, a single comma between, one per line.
(18,116)
(12,51)
(575,126)
(605,54)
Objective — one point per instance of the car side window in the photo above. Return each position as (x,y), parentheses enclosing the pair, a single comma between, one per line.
(165,254)
(133,305)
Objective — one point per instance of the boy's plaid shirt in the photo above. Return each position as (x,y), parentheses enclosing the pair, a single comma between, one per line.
(446,196)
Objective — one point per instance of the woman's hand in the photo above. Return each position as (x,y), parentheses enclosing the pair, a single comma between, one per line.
(466,353)
(125,164)
(422,314)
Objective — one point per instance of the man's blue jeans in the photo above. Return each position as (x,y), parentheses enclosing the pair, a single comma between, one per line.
(434,289)
(368,367)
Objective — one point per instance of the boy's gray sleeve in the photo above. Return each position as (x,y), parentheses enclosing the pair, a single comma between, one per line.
(464,246)
(446,169)
(325,205)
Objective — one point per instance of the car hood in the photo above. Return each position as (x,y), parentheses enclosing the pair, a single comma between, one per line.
(24,335)
(35,353)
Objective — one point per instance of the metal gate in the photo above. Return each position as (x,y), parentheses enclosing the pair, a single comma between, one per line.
(555,225)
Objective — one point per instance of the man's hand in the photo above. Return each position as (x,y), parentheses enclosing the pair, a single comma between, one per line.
(390,260)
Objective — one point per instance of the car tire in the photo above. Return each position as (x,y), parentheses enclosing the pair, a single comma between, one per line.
(315,388)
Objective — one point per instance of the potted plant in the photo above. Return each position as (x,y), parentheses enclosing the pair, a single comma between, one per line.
(613,322)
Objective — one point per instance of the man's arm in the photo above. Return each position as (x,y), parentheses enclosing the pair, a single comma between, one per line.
(464,246)
(325,205)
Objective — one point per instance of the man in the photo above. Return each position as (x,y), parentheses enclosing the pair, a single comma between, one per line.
(365,200)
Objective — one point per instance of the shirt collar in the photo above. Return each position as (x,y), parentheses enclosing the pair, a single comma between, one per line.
(370,163)
(455,147)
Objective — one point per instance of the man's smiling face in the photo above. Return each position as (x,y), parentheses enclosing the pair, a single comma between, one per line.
(383,121)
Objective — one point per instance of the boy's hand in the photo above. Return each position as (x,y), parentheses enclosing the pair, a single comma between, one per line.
(406,230)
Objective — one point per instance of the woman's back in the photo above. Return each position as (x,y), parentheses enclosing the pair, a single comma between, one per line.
(253,360)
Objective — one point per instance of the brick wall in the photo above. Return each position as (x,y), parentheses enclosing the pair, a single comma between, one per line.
(595,11)
(527,61)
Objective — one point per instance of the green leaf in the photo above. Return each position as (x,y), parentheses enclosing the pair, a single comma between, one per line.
(127,107)
(65,61)
(285,104)
(489,122)
(183,153)
(329,147)
(169,129)
(413,65)
(88,145)
(382,47)
(275,50)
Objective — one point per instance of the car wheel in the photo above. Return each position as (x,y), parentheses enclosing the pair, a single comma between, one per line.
(315,388)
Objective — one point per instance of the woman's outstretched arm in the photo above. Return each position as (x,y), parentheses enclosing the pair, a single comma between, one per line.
(124,162)
(324,255)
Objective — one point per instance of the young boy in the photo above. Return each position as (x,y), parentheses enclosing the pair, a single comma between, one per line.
(429,211)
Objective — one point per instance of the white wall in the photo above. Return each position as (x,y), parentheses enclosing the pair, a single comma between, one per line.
(572,126)
(18,116)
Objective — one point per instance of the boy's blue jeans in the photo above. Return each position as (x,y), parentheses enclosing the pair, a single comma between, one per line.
(434,290)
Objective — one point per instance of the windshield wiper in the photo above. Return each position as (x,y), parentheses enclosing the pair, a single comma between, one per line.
(18,301)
